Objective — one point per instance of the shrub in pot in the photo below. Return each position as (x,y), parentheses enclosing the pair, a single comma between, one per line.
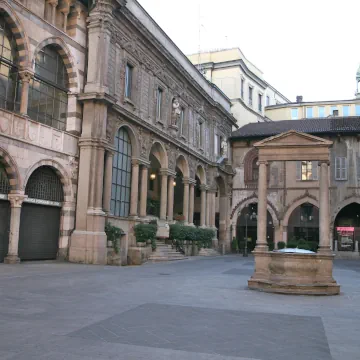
(281,245)
(145,233)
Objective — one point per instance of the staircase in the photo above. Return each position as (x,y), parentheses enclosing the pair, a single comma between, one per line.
(165,252)
(209,252)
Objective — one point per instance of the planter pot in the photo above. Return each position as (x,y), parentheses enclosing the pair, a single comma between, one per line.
(109,244)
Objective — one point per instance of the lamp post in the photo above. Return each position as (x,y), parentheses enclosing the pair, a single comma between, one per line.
(253,216)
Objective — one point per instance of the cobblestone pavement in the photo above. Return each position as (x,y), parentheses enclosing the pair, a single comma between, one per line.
(186,310)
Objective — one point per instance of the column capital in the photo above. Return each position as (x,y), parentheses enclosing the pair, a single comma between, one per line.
(186,181)
(327,162)
(262,162)
(26,75)
(53,2)
(203,187)
(165,171)
(16,200)
(192,181)
(135,162)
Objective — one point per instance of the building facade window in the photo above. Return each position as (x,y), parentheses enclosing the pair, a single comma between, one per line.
(340,168)
(346,110)
(182,121)
(334,110)
(242,88)
(357,110)
(250,95)
(268,101)
(306,170)
(48,90)
(321,110)
(255,169)
(121,175)
(294,114)
(10,86)
(159,94)
(309,112)
(128,80)
(260,102)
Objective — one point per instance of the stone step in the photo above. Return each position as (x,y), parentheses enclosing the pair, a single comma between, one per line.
(209,252)
(165,252)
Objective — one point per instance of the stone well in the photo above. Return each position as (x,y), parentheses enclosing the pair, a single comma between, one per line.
(293,273)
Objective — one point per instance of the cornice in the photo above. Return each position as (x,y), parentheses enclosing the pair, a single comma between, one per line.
(177,66)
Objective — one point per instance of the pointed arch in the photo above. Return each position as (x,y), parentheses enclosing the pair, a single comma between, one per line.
(60,171)
(67,58)
(17,29)
(254,199)
(302,200)
(344,203)
(11,170)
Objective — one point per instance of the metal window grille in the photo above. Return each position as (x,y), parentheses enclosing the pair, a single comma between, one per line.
(10,85)
(48,90)
(45,184)
(121,175)
(4,181)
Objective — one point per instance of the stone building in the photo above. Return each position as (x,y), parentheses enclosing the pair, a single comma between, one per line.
(293,186)
(102,118)
(241,81)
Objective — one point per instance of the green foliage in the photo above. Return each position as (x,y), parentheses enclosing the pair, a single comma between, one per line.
(292,244)
(281,245)
(179,233)
(145,232)
(271,245)
(235,245)
(113,234)
(303,244)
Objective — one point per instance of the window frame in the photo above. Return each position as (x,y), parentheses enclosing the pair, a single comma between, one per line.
(357,109)
(348,110)
(159,102)
(341,168)
(267,100)
(308,168)
(260,98)
(251,100)
(297,113)
(321,116)
(309,111)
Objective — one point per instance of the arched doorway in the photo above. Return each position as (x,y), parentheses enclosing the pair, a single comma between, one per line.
(347,227)
(246,225)
(4,213)
(40,216)
(304,224)
(154,193)
(181,210)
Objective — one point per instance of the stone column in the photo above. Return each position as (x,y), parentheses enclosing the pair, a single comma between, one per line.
(208,208)
(285,234)
(144,189)
(16,201)
(109,157)
(170,204)
(164,194)
(203,206)
(324,218)
(186,201)
(54,4)
(261,243)
(191,203)
(65,14)
(25,77)
(134,188)
(212,208)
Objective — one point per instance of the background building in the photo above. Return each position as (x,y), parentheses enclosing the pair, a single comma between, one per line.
(103,119)
(241,81)
(293,187)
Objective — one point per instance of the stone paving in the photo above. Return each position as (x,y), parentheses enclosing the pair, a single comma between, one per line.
(192,309)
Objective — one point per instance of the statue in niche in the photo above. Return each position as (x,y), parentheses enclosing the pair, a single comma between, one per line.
(224,148)
(176,112)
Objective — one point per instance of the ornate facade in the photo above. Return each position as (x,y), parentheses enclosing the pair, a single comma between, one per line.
(109,121)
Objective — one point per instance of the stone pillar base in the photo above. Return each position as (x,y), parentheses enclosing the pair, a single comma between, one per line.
(215,244)
(12,259)
(297,274)
(88,247)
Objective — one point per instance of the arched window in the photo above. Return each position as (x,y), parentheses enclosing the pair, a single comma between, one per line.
(121,175)
(255,170)
(49,88)
(45,184)
(10,86)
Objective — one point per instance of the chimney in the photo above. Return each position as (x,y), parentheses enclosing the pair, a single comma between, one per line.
(335,112)
(299,99)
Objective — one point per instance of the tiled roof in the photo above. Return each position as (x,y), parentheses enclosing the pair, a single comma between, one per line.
(333,125)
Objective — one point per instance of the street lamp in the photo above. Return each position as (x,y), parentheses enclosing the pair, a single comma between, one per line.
(253,216)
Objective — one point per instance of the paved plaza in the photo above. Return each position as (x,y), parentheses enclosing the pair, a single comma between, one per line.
(186,310)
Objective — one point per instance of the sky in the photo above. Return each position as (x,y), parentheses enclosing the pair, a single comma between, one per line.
(307,47)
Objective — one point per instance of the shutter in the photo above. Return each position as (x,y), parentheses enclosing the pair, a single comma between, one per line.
(298,170)
(337,168)
(315,170)
(344,169)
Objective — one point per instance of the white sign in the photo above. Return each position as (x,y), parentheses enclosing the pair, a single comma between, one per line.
(3,197)
(43,202)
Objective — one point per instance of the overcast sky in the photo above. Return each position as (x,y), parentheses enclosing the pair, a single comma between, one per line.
(306,47)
